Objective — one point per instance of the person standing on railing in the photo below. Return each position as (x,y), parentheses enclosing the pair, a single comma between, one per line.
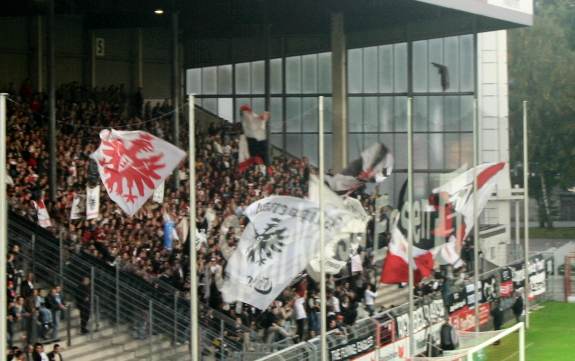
(56,304)
(83,303)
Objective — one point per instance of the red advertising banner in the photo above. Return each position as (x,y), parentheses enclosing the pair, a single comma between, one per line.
(464,319)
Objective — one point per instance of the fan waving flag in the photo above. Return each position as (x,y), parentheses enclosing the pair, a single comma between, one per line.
(253,143)
(132,164)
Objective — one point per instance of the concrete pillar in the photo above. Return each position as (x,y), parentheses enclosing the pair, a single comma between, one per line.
(339,91)
(39,53)
(52,103)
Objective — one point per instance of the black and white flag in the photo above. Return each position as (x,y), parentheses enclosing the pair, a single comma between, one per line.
(78,207)
(374,166)
(277,244)
(92,202)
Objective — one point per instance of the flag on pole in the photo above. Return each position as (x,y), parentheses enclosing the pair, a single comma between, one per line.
(341,247)
(253,143)
(277,244)
(92,202)
(374,165)
(78,206)
(43,216)
(158,196)
(132,164)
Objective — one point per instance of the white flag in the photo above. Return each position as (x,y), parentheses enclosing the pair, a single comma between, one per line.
(92,202)
(277,244)
(158,196)
(78,206)
(341,246)
(132,164)
(43,216)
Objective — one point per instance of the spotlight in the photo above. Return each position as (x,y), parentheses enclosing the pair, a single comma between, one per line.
(159,11)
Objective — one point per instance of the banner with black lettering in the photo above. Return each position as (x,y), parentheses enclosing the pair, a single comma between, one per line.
(456,301)
(488,289)
(92,202)
(353,348)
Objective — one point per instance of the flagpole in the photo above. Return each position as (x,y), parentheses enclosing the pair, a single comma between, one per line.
(526,209)
(323,310)
(410,222)
(192,184)
(3,226)
(475,220)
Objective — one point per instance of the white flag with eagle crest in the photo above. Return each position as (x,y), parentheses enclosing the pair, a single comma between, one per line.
(277,244)
(132,164)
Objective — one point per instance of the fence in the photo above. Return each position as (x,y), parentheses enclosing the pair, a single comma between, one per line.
(155,312)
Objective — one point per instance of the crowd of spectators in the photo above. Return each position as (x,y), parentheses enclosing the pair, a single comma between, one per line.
(135,243)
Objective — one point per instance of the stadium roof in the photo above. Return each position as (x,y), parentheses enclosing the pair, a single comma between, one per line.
(367,21)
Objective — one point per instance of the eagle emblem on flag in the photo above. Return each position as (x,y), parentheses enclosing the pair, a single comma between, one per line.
(132,164)
(267,242)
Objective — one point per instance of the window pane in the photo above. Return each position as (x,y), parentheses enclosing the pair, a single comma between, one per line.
(309,73)
(225,79)
(371,120)
(435,56)
(420,151)
(276,115)
(258,105)
(452,151)
(420,185)
(258,77)
(386,68)
(435,113)
(293,144)
(451,113)
(355,146)
(386,114)
(328,151)
(276,140)
(436,151)
(420,66)
(387,139)
(354,71)
(466,113)
(209,80)
(452,62)
(400,151)
(310,114)
(211,104)
(226,108)
(400,114)
(325,73)
(467,67)
(355,114)
(370,139)
(276,76)
(194,78)
(328,115)
(310,147)
(420,114)
(400,67)
(467,149)
(370,70)
(243,85)
(293,74)
(293,110)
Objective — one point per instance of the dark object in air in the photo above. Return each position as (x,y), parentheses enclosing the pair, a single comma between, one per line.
(444,74)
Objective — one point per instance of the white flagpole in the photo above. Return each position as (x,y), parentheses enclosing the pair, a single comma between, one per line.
(323,303)
(526,209)
(475,220)
(411,282)
(3,226)
(194,336)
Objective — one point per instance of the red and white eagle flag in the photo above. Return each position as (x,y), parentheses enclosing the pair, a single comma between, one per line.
(43,216)
(132,164)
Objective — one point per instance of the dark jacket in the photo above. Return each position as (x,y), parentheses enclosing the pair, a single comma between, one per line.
(518,306)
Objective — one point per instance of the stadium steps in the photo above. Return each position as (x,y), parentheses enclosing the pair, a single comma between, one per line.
(391,295)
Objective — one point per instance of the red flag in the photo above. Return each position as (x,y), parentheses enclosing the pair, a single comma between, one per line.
(132,164)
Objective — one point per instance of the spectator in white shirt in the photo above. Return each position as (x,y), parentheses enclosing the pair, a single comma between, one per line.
(300,316)
(369,299)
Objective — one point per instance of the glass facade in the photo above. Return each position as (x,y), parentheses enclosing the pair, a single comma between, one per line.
(378,86)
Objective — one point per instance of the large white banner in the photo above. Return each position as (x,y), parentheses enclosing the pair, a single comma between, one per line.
(92,202)
(277,244)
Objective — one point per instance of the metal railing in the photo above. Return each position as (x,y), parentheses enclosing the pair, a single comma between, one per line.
(154,313)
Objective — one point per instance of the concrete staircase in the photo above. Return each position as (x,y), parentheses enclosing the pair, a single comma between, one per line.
(110,343)
(390,295)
